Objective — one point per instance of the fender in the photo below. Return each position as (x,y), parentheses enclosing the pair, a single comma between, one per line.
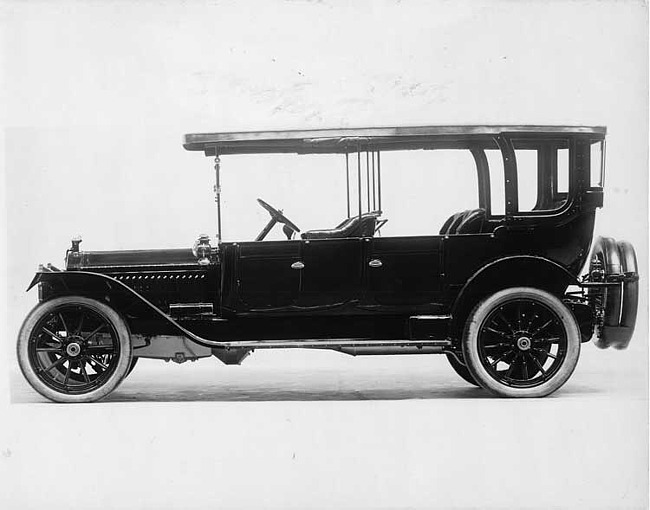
(97,284)
(518,270)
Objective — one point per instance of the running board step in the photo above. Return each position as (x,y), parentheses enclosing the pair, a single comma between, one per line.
(178,310)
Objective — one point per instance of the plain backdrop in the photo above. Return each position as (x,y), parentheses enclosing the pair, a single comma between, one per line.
(95,99)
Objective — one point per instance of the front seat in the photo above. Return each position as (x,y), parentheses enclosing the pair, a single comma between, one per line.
(355,226)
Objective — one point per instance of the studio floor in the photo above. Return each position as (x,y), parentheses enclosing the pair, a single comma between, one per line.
(305,429)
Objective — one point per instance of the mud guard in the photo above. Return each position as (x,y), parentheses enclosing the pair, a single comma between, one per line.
(519,270)
(116,293)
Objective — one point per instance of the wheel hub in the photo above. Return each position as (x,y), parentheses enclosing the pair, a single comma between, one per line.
(73,349)
(524,343)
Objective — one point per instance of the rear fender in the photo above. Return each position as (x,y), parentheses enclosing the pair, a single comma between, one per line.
(517,271)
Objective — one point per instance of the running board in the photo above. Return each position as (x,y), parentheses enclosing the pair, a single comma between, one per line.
(337,343)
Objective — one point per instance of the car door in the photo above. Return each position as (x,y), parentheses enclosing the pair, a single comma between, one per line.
(331,274)
(266,280)
(403,274)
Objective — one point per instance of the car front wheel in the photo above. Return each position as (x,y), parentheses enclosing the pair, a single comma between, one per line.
(74,349)
(521,342)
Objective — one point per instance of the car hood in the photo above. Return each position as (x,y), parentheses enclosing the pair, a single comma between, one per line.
(180,257)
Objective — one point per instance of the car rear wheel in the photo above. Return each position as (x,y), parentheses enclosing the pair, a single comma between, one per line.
(521,342)
(74,349)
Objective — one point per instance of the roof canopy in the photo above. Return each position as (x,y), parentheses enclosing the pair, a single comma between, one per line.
(349,139)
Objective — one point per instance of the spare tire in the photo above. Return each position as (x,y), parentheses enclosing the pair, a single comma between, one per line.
(616,306)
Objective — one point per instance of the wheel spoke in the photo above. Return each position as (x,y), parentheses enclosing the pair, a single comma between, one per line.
(65,327)
(525,367)
(500,316)
(497,332)
(497,344)
(97,362)
(511,367)
(100,349)
(101,326)
(67,373)
(53,335)
(518,362)
(539,366)
(500,358)
(551,340)
(83,371)
(49,349)
(81,322)
(531,320)
(545,353)
(58,362)
(541,328)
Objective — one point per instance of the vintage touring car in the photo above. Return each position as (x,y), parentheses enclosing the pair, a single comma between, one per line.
(498,288)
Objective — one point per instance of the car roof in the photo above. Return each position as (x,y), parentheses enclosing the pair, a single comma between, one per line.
(342,140)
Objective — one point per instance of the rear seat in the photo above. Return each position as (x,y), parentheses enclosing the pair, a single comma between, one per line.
(465,222)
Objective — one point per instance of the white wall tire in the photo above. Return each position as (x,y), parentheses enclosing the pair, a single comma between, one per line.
(521,342)
(74,349)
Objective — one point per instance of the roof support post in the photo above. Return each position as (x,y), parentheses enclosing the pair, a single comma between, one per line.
(217,194)
(359,176)
(510,175)
(347,178)
(368,178)
(374,187)
(379,178)
(483,173)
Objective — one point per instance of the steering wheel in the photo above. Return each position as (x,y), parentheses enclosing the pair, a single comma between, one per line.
(276,217)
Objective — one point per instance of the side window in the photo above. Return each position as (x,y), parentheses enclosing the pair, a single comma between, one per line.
(497,183)
(562,171)
(422,189)
(597,163)
(527,179)
(542,174)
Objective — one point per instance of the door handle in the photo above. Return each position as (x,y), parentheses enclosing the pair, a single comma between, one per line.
(375,263)
(297,265)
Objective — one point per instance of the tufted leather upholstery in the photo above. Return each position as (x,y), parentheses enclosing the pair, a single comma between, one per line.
(351,227)
(465,222)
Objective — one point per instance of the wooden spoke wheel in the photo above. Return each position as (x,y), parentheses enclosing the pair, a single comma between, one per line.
(521,342)
(74,349)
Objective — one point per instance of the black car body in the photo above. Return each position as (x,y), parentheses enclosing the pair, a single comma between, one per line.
(479,288)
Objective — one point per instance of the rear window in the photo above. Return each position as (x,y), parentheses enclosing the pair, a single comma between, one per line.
(542,174)
(597,163)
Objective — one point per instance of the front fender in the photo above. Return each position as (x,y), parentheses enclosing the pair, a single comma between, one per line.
(116,294)
(97,286)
